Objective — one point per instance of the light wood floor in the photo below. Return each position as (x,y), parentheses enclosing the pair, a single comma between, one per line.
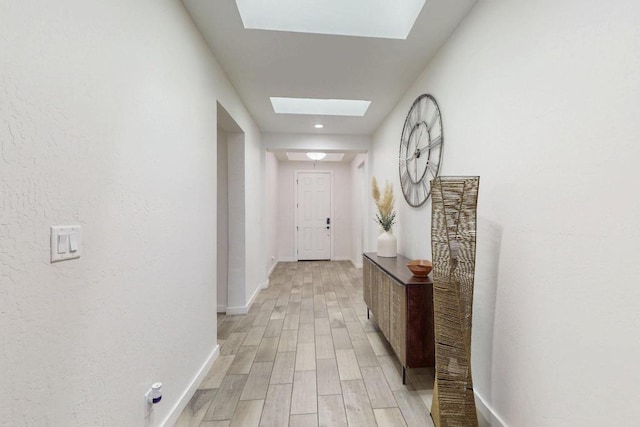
(306,355)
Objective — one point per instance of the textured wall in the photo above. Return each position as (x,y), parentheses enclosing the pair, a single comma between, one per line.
(237,274)
(271,220)
(360,194)
(541,100)
(222,237)
(107,120)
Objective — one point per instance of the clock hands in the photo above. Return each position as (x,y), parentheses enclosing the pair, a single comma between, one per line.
(419,138)
(436,142)
(433,144)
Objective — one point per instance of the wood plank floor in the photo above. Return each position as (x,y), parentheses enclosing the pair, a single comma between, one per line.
(306,355)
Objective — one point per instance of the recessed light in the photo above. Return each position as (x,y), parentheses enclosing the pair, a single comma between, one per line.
(319,107)
(361,18)
(318,126)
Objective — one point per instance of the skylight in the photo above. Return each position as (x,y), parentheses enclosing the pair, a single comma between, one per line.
(389,19)
(321,107)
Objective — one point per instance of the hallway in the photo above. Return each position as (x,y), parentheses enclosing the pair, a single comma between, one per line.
(307,355)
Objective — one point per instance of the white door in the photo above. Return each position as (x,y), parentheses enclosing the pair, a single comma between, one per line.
(314,215)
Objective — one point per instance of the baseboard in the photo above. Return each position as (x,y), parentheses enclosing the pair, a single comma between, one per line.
(244,309)
(237,310)
(273,267)
(356,264)
(222,308)
(339,258)
(492,419)
(182,403)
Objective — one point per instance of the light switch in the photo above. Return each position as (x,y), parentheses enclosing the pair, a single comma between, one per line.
(73,242)
(66,242)
(63,243)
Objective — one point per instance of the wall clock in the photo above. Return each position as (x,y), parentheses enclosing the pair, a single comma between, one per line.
(420,149)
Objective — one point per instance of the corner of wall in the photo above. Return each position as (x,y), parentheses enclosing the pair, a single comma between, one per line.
(273,267)
(244,309)
(183,401)
(488,417)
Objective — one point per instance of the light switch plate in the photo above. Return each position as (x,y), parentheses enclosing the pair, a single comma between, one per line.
(62,234)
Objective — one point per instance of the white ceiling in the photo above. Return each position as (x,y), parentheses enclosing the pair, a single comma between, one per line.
(301,156)
(262,64)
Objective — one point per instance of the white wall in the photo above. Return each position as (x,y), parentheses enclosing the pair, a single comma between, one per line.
(222,237)
(541,100)
(237,279)
(341,200)
(359,203)
(108,120)
(255,211)
(271,218)
(343,245)
(325,142)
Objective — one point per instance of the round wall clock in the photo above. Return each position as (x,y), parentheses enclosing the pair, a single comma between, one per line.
(420,149)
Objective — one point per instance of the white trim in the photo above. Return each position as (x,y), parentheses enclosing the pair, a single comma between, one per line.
(333,217)
(341,258)
(287,259)
(356,264)
(273,267)
(295,209)
(244,309)
(182,403)
(487,413)
(222,308)
(361,199)
(255,294)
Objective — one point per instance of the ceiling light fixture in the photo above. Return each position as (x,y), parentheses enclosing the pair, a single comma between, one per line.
(300,156)
(319,126)
(319,107)
(316,156)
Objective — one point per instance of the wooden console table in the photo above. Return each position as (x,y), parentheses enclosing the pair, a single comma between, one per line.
(402,306)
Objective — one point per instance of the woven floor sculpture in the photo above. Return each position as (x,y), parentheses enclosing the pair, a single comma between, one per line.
(453,244)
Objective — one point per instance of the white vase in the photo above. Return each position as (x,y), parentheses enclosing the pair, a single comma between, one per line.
(387,245)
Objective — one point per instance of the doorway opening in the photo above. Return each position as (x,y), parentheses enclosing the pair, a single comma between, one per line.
(230,259)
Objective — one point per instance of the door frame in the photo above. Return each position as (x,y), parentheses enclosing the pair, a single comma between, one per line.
(361,198)
(295,209)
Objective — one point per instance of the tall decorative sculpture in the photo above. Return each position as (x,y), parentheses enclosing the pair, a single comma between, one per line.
(453,244)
